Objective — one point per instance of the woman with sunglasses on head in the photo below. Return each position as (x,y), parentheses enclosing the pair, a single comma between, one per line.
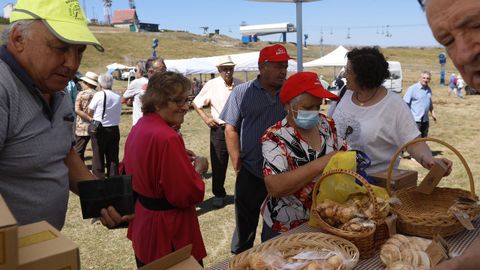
(165,177)
(374,120)
(135,90)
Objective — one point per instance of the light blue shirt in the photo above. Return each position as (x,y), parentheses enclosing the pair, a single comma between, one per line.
(419,99)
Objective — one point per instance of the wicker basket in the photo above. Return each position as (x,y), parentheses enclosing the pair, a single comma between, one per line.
(365,241)
(295,243)
(427,215)
(381,235)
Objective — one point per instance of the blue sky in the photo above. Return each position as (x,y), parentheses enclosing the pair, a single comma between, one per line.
(367,19)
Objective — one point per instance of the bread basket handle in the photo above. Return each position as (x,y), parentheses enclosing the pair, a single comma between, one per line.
(371,194)
(462,159)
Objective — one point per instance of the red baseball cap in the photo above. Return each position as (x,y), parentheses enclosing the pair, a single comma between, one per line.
(275,53)
(302,82)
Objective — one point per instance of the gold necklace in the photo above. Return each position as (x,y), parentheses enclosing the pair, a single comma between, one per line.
(362,103)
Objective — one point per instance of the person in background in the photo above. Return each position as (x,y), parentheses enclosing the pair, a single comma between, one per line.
(340,84)
(72,88)
(462,42)
(460,86)
(89,84)
(452,84)
(251,108)
(374,120)
(419,99)
(135,90)
(166,178)
(215,94)
(196,86)
(105,107)
(154,65)
(295,151)
(38,165)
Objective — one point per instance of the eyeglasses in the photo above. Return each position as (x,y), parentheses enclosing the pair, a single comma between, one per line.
(180,101)
(226,69)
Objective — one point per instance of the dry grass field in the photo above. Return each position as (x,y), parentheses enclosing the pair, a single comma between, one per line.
(109,249)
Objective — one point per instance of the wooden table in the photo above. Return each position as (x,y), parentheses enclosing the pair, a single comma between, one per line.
(458,243)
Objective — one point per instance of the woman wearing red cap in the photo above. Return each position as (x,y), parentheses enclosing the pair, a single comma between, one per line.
(296,150)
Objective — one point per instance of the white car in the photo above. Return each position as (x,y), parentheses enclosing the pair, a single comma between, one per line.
(394,83)
(128,74)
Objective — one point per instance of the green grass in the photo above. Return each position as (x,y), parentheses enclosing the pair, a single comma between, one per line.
(109,249)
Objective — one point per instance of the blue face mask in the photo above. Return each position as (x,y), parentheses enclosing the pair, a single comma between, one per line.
(306,119)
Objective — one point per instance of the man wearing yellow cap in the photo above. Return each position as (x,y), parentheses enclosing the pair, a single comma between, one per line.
(38,165)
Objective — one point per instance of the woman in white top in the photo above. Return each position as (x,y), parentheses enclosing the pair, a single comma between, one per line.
(135,90)
(105,107)
(374,120)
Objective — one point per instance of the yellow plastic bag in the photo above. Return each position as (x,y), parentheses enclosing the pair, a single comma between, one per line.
(339,187)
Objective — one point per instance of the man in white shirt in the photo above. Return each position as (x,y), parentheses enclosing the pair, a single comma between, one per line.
(105,107)
(215,94)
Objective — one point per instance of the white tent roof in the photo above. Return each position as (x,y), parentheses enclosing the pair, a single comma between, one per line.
(337,58)
(207,65)
(116,66)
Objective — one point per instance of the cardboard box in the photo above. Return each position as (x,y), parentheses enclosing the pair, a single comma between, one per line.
(8,238)
(41,246)
(400,179)
(178,260)
(433,177)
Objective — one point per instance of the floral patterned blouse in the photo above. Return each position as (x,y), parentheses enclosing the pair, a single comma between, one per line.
(81,103)
(284,150)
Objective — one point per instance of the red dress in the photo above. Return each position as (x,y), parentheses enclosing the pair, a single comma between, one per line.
(156,158)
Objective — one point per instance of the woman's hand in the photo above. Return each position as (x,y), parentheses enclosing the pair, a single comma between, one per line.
(200,164)
(428,164)
(190,154)
(111,218)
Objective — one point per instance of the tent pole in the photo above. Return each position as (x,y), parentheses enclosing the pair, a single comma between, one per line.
(299,37)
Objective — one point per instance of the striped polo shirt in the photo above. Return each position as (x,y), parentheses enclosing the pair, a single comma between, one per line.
(251,110)
(35,138)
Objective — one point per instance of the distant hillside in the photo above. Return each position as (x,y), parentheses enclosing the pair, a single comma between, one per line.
(125,47)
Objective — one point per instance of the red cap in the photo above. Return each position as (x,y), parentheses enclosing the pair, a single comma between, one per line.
(275,53)
(304,82)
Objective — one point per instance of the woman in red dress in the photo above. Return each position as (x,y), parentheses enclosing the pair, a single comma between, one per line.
(167,184)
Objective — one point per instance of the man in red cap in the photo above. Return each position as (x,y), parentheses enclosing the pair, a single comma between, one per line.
(251,108)
(295,151)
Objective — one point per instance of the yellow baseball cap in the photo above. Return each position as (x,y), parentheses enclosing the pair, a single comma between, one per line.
(64,18)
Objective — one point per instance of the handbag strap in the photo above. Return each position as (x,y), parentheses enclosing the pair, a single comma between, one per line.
(104,103)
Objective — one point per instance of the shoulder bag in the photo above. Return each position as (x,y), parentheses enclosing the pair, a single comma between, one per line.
(94,126)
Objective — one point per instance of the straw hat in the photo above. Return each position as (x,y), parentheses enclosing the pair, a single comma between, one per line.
(91,78)
(225,61)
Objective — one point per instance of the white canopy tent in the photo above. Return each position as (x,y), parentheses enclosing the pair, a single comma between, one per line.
(337,58)
(206,65)
(116,66)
